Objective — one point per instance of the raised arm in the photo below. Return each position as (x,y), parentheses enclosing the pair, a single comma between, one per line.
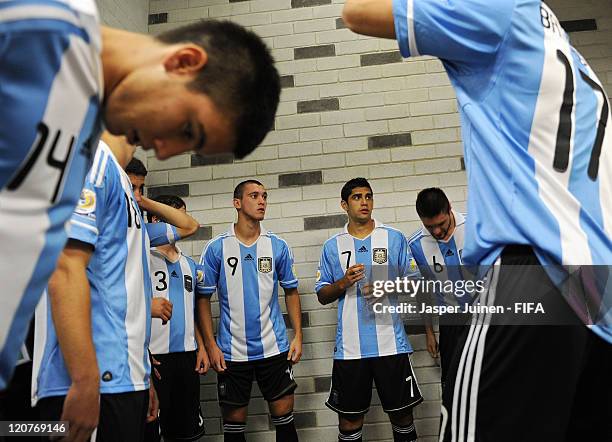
(185,224)
(370,17)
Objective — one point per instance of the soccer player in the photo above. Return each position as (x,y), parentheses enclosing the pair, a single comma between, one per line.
(538,149)
(137,172)
(62,78)
(437,250)
(176,344)
(245,266)
(369,347)
(95,359)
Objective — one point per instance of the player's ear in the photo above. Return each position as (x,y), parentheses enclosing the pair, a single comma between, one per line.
(237,204)
(186,59)
(344,205)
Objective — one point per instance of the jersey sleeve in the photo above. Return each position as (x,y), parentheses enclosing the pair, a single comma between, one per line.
(407,264)
(325,273)
(200,283)
(210,265)
(284,267)
(88,215)
(162,233)
(463,31)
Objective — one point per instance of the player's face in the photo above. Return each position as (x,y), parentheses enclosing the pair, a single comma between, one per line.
(158,111)
(439,226)
(360,204)
(138,184)
(254,201)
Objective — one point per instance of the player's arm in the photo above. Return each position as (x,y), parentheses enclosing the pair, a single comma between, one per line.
(69,297)
(202,361)
(184,223)
(294,311)
(217,361)
(330,292)
(370,17)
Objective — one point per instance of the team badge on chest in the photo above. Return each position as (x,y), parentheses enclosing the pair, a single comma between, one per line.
(379,256)
(264,264)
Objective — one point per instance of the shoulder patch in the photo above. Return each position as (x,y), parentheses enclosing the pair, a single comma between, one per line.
(87,202)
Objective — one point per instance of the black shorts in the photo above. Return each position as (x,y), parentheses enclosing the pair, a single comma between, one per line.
(351,385)
(450,338)
(178,390)
(122,415)
(533,383)
(274,377)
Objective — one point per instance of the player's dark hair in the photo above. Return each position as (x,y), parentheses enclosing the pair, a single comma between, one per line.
(432,202)
(239,189)
(135,167)
(168,200)
(239,77)
(352,184)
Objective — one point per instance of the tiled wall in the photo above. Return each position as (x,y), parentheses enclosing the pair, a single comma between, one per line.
(125,14)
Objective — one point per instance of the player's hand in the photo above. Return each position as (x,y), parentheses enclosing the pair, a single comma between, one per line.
(295,350)
(217,361)
(154,363)
(202,361)
(82,409)
(432,345)
(161,308)
(353,274)
(153,404)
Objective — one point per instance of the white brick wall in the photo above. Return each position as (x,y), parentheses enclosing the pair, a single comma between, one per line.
(131,15)
(412,96)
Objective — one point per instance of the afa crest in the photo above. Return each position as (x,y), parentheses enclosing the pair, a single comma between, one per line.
(264,264)
(379,256)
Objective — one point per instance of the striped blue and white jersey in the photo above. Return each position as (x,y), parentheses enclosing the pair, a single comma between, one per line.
(175,281)
(441,259)
(361,333)
(108,218)
(50,95)
(246,280)
(536,128)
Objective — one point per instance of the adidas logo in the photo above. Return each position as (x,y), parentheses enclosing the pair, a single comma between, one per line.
(248,257)
(449,252)
(174,274)
(362,249)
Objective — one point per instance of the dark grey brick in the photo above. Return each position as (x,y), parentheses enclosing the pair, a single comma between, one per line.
(305,419)
(380,58)
(209,160)
(462,163)
(395,140)
(322,383)
(414,329)
(324,222)
(314,52)
(322,105)
(300,179)
(588,24)
(156,19)
(287,81)
(307,3)
(236,1)
(305,320)
(204,233)
(340,23)
(177,189)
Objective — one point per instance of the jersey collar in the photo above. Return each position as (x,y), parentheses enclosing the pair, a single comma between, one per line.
(377,225)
